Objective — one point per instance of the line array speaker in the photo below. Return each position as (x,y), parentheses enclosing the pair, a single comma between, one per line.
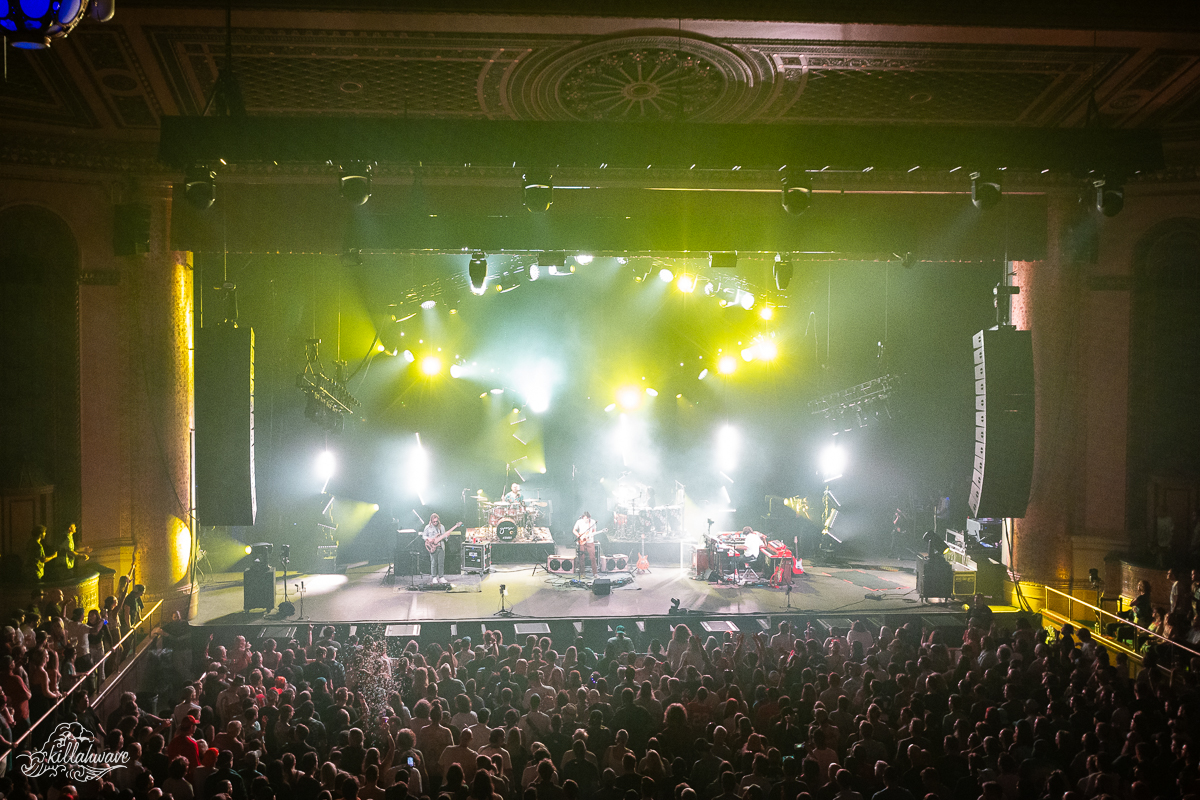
(225,426)
(1002,470)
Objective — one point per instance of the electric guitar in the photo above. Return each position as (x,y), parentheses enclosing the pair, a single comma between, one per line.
(579,536)
(432,544)
(643,564)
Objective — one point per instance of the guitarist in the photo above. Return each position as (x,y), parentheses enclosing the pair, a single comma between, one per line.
(435,542)
(585,543)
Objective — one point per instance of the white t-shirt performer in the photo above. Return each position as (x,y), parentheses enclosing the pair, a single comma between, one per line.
(585,542)
(754,547)
(435,531)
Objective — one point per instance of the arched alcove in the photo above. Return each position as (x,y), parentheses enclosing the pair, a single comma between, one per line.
(1164,378)
(39,355)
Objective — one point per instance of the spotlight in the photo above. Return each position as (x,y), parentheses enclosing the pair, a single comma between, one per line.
(535,272)
(539,191)
(629,397)
(431,365)
(408,356)
(477,271)
(767,312)
(665,275)
(428,304)
(686,284)
(249,549)
(797,191)
(651,392)
(583,259)
(727,365)
(985,189)
(908,260)
(746,300)
(832,463)
(200,187)
(767,351)
(326,464)
(781,271)
(710,289)
(703,374)
(1110,197)
(355,181)
(456,371)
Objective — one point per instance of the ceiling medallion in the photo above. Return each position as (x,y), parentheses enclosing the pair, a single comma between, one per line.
(639,78)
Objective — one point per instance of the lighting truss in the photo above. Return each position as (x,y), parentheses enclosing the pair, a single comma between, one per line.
(328,398)
(859,405)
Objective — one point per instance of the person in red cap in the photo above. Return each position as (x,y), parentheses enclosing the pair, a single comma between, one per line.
(184,744)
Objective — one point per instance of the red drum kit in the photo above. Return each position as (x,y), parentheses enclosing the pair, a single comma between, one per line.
(511,519)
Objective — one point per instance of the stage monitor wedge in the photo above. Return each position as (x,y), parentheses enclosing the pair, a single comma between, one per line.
(1002,469)
(225,426)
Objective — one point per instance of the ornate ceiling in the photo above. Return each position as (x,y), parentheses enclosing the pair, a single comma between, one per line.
(108,85)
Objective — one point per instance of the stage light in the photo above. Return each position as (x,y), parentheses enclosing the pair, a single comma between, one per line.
(431,365)
(428,304)
(686,284)
(477,271)
(248,549)
(629,397)
(797,191)
(539,190)
(782,272)
(832,462)
(727,365)
(651,392)
(456,370)
(611,407)
(710,289)
(767,312)
(497,391)
(418,468)
(583,259)
(703,374)
(985,189)
(665,275)
(375,506)
(749,353)
(1110,197)
(355,182)
(746,300)
(767,351)
(379,348)
(729,442)
(408,356)
(535,272)
(200,187)
(326,464)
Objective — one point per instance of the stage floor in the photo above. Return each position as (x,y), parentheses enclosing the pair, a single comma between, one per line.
(366,594)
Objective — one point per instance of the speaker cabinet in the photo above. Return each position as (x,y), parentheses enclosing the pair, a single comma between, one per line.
(934,577)
(614,563)
(602,587)
(563,565)
(225,426)
(258,588)
(1002,470)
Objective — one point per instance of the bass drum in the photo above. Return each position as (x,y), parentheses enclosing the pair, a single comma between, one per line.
(506,530)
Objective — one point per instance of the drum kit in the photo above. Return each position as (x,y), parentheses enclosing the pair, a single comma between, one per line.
(511,520)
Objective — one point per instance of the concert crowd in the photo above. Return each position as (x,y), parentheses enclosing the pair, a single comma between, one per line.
(855,714)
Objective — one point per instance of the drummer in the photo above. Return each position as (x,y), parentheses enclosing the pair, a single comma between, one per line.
(514,496)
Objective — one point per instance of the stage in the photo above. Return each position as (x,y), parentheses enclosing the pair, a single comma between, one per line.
(367,593)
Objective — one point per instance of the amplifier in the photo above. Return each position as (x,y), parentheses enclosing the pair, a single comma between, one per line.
(964,583)
(601,586)
(476,559)
(327,559)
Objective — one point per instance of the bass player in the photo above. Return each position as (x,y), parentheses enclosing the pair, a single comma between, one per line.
(435,542)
